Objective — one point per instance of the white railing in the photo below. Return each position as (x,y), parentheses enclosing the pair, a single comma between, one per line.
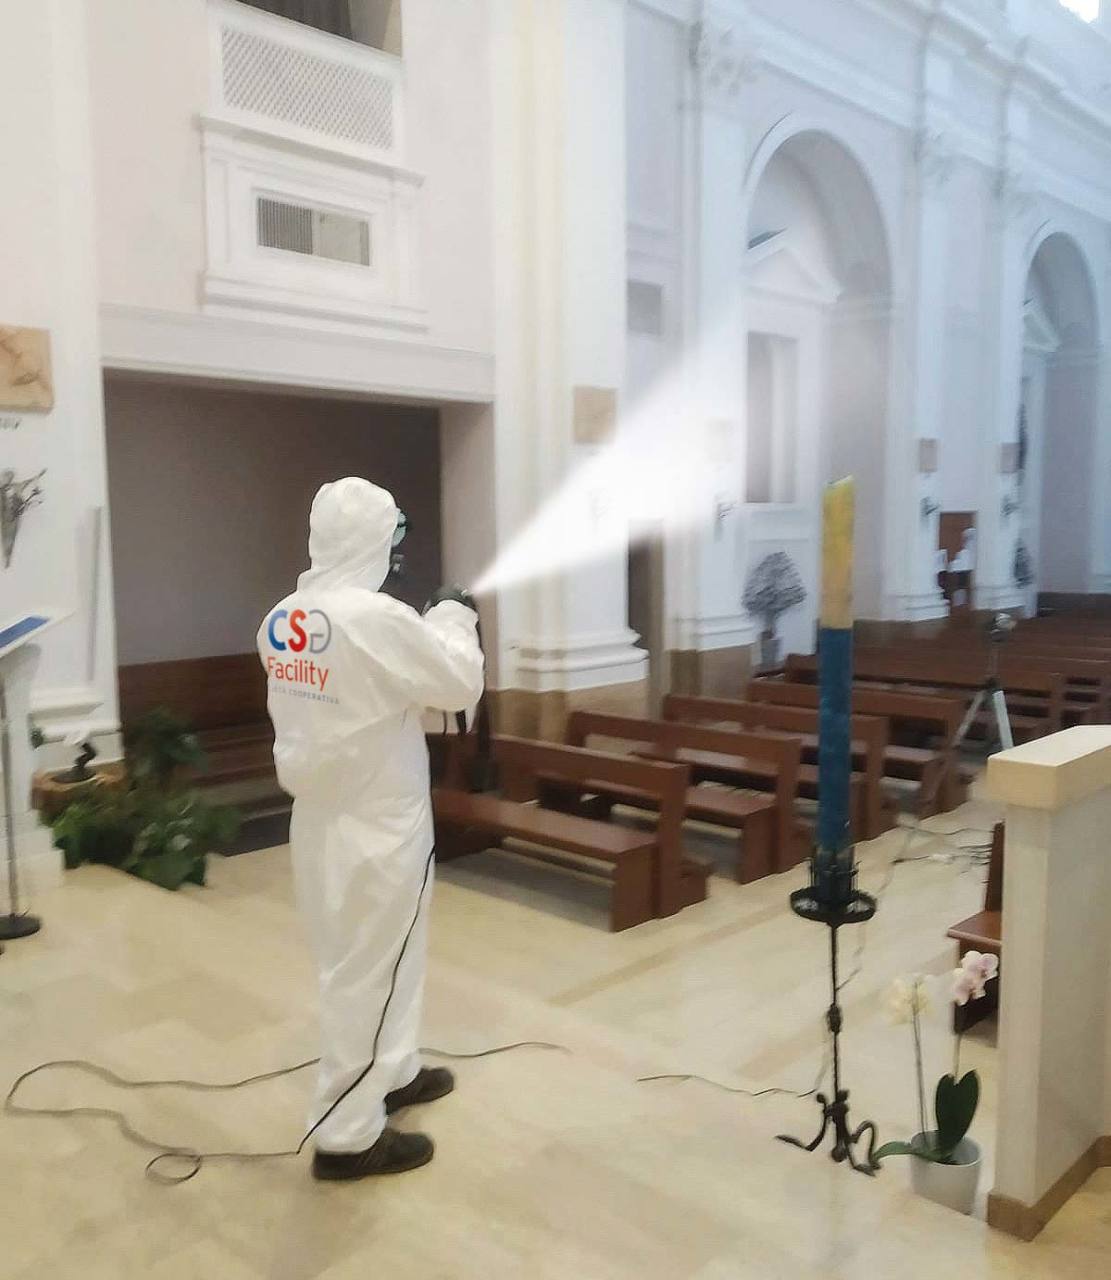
(282,77)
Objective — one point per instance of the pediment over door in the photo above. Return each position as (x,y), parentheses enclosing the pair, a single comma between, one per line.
(775,264)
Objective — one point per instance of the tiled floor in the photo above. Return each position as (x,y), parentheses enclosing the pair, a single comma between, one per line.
(548,1164)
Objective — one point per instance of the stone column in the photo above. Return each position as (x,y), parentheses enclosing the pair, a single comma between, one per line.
(911,589)
(710,633)
(1100,537)
(559,213)
(998,529)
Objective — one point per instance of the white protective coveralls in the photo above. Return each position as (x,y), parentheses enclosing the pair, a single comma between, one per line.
(350,671)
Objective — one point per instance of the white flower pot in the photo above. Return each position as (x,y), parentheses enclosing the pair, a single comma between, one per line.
(953,1185)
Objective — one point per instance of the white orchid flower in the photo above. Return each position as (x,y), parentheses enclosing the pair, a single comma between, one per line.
(906,999)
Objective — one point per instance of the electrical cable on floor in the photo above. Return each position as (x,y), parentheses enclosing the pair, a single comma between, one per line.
(771,1091)
(195,1160)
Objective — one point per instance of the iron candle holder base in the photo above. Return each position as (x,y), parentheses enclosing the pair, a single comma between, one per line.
(18,925)
(854,907)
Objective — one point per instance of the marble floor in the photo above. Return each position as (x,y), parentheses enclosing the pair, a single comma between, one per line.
(549,1164)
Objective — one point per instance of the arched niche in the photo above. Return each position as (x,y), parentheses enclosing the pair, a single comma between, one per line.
(817,354)
(1059,406)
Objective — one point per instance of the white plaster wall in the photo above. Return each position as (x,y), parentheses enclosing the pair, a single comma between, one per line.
(47,264)
(210,499)
(149,69)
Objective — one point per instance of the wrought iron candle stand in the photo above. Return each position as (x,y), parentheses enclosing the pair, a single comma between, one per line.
(833,899)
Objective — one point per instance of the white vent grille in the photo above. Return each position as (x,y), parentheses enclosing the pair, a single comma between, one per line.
(276,79)
(645,307)
(318,233)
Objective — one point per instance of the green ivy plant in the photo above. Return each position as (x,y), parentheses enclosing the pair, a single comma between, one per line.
(160,747)
(156,829)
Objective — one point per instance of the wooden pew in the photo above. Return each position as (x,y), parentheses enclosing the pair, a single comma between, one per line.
(935,768)
(870,743)
(1035,697)
(770,839)
(983,932)
(649,874)
(1087,677)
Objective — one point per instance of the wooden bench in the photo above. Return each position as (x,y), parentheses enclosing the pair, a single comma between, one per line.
(222,698)
(1036,698)
(628,854)
(770,839)
(1087,681)
(875,814)
(917,717)
(467,823)
(1087,674)
(983,932)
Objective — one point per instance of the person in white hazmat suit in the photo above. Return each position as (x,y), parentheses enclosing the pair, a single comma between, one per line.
(350,671)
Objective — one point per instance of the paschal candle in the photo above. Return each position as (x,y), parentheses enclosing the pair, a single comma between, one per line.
(835,666)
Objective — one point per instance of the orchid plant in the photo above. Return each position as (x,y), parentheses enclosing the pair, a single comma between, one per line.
(956,1097)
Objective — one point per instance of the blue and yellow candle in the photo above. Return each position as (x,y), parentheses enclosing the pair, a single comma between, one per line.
(833,857)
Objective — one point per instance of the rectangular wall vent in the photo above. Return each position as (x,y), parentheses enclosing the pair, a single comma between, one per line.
(332,95)
(645,307)
(318,233)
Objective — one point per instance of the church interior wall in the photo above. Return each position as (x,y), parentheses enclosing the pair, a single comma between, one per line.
(210,491)
(149,67)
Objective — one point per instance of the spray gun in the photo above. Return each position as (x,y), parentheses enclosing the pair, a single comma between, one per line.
(480,770)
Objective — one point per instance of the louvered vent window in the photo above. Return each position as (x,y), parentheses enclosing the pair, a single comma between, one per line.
(319,233)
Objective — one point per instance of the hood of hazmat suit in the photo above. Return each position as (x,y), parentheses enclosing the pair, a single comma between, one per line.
(350,671)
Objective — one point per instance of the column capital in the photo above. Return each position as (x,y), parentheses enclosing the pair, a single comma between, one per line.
(935,156)
(725,56)
(1015,193)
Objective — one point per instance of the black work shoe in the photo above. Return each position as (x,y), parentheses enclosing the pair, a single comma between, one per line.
(394,1152)
(429,1084)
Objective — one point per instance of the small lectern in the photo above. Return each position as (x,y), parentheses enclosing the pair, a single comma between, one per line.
(19,659)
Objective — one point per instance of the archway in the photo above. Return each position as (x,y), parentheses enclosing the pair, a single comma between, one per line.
(818,283)
(1057,426)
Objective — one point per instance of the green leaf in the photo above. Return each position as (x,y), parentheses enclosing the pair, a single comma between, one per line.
(896,1149)
(955,1104)
(168,870)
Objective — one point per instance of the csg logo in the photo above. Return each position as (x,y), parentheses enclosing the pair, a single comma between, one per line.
(316,636)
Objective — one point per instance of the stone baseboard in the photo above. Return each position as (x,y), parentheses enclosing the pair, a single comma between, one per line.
(1026,1221)
(713,673)
(880,631)
(526,714)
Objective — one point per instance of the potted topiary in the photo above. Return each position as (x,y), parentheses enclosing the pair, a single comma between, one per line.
(945,1162)
(773,587)
(54,790)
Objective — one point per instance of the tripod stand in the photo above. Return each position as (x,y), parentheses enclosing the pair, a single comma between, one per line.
(991,695)
(835,1111)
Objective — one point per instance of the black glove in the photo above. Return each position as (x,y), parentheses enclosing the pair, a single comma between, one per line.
(459,594)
